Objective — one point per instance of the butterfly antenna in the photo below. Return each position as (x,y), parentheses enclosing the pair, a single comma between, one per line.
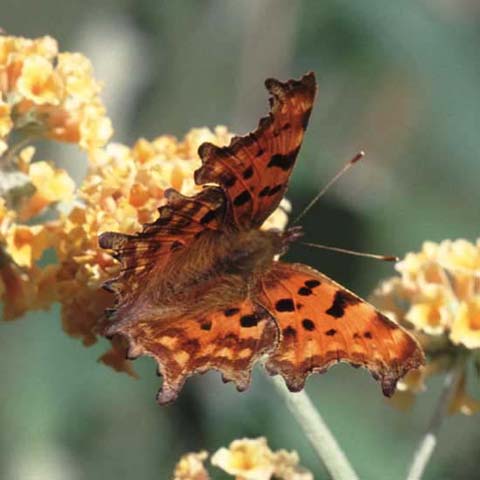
(322,192)
(385,258)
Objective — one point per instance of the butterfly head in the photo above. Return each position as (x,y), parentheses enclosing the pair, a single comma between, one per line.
(290,235)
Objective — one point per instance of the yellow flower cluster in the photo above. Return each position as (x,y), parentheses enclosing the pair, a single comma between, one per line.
(245,459)
(24,285)
(49,94)
(438,295)
(43,93)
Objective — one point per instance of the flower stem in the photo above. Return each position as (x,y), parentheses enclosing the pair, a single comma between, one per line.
(429,441)
(317,431)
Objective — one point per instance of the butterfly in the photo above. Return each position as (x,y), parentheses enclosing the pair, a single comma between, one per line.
(202,288)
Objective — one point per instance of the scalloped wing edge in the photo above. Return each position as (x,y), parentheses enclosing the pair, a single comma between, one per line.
(277,89)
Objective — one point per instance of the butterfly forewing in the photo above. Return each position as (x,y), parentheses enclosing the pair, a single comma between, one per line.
(254,169)
(322,323)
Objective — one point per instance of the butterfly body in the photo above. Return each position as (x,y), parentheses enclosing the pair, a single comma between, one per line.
(202,288)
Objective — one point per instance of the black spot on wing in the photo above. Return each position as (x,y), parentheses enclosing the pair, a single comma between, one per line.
(341,301)
(289,332)
(248,173)
(206,326)
(249,321)
(284,162)
(242,198)
(275,190)
(312,283)
(264,191)
(331,332)
(229,181)
(285,305)
(230,312)
(208,217)
(308,324)
(304,291)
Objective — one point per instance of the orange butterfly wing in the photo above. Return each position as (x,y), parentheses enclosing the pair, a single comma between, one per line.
(180,221)
(321,323)
(254,169)
(229,340)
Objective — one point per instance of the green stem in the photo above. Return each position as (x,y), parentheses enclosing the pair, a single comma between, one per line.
(317,431)
(429,441)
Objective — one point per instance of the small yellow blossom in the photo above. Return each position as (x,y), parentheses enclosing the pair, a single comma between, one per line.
(77,71)
(247,459)
(39,82)
(26,244)
(465,328)
(51,184)
(95,128)
(438,296)
(252,459)
(190,467)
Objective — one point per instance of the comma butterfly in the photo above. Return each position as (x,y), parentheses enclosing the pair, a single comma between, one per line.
(200,288)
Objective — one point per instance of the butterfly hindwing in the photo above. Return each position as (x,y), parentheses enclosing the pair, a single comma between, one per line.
(322,323)
(254,169)
(228,339)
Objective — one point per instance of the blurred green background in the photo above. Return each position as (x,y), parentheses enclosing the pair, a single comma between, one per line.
(398,79)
